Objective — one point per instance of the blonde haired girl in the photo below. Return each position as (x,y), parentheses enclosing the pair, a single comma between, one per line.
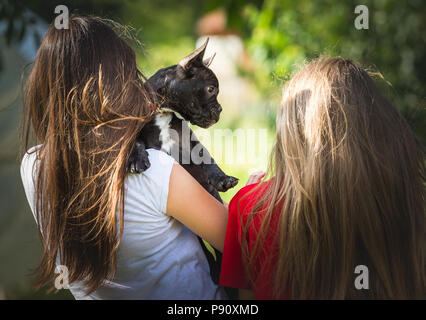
(346,189)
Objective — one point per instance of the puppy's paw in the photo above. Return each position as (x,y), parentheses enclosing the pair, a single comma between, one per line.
(138,160)
(138,164)
(223,182)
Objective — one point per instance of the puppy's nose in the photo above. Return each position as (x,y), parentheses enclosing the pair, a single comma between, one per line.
(219,108)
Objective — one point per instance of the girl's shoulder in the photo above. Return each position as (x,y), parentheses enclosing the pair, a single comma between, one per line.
(151,187)
(241,205)
(159,170)
(28,167)
(159,158)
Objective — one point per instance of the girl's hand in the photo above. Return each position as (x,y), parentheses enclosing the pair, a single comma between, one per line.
(255,177)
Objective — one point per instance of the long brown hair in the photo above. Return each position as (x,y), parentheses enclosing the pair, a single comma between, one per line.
(349,174)
(85,102)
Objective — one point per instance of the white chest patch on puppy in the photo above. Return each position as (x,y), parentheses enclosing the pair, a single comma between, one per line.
(162,121)
(177,114)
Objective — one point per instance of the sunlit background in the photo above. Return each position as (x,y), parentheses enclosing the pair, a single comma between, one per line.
(258,44)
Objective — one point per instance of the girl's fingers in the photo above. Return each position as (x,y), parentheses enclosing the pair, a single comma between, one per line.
(255,177)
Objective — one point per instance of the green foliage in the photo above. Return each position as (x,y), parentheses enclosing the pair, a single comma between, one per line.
(283,34)
(166,34)
(17,17)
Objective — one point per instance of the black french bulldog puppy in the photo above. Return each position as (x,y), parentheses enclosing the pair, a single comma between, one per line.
(187,92)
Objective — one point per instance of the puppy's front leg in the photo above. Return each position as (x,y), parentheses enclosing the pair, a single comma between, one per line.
(216,177)
(138,160)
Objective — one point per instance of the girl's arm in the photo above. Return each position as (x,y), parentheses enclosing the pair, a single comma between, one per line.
(192,205)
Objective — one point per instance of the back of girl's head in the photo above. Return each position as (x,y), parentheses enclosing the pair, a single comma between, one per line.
(88,60)
(85,102)
(352,175)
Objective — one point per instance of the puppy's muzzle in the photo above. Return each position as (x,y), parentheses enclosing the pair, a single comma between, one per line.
(215,112)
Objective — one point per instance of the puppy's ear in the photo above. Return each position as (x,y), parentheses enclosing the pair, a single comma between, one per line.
(195,59)
(207,62)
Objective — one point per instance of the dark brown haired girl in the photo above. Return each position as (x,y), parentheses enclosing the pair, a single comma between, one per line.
(118,235)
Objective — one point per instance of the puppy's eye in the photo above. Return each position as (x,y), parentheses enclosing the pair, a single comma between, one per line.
(210,89)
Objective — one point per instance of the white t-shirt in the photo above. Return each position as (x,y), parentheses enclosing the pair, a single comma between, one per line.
(158,257)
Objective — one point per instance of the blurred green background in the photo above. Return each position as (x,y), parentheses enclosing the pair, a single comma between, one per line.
(259,44)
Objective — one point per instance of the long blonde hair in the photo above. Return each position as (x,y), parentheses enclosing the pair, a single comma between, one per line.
(350,174)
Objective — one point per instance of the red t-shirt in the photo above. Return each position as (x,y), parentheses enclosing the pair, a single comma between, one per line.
(233,272)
